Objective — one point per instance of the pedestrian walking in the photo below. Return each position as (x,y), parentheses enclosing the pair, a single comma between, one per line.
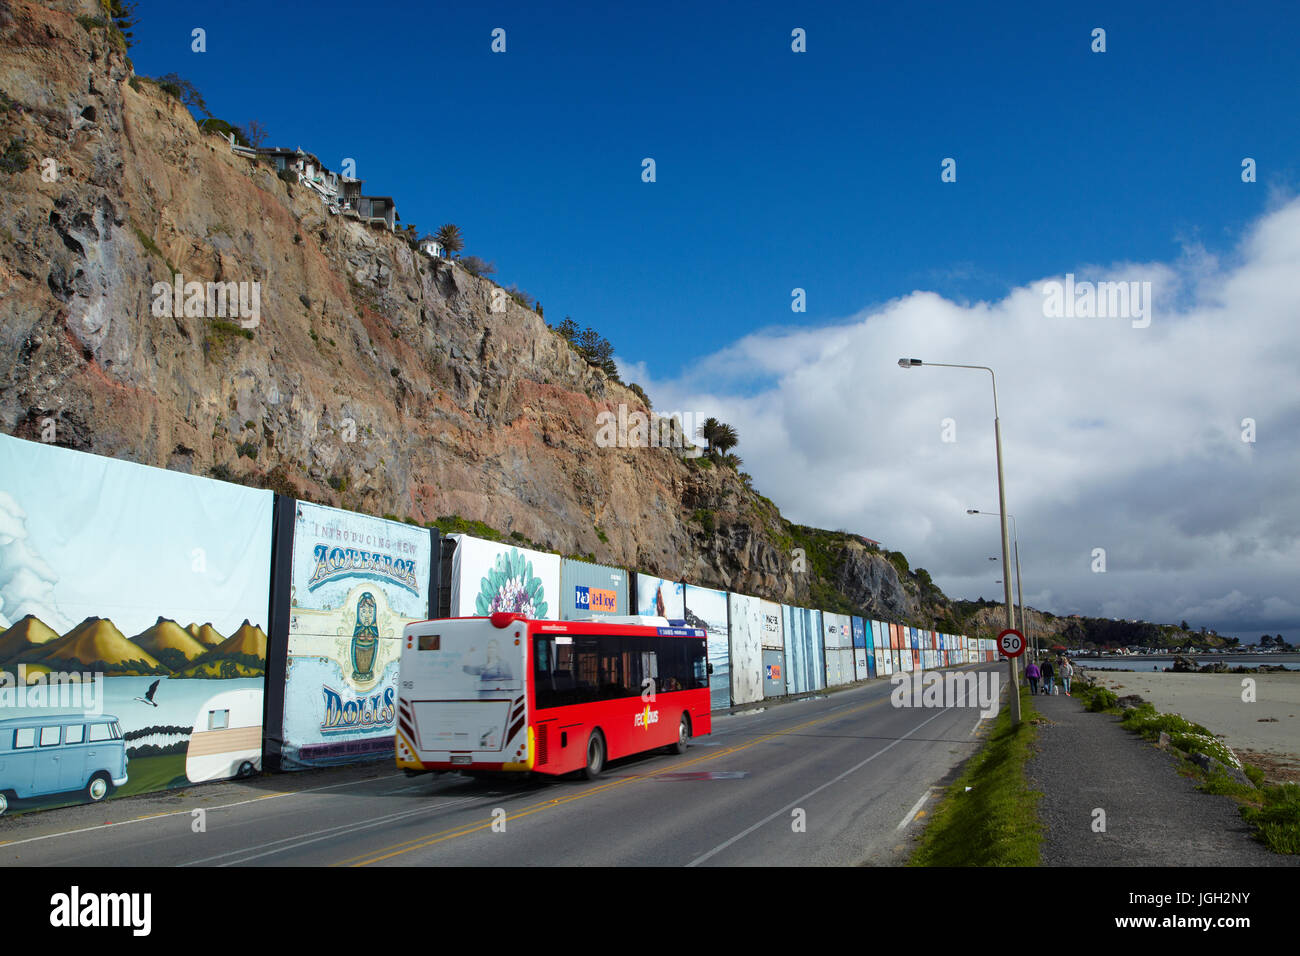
(1048,673)
(1032,674)
(1067,673)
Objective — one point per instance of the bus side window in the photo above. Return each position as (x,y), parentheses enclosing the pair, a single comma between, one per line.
(100,732)
(74,734)
(218,719)
(24,738)
(700,661)
(50,736)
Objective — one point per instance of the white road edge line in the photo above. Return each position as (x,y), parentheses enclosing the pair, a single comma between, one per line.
(916,808)
(177,813)
(812,793)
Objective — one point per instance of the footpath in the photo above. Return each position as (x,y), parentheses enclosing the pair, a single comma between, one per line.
(1154,816)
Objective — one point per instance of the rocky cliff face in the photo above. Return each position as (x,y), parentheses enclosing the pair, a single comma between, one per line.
(375,379)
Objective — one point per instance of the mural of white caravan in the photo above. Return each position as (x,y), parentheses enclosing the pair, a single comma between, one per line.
(227,737)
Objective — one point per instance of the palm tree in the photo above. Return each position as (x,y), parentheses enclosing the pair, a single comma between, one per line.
(725,438)
(450,239)
(709,431)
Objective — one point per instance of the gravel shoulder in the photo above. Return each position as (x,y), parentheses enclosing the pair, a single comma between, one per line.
(1153,815)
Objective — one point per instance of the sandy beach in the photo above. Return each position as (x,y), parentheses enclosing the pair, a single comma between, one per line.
(1265,732)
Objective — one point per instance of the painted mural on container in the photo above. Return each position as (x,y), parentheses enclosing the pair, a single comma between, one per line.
(805,658)
(837,640)
(133,610)
(659,597)
(357,581)
(487,577)
(707,608)
(746,648)
(864,659)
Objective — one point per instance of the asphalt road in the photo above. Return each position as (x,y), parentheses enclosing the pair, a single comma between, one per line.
(842,779)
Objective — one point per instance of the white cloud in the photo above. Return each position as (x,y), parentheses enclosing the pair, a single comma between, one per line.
(1117,437)
(26,580)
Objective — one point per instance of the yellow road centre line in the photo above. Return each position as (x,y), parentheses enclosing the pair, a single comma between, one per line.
(432,839)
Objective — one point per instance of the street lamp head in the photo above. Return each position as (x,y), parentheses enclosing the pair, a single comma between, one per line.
(908,363)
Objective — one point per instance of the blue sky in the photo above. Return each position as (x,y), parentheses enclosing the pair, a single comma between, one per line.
(821,170)
(775,170)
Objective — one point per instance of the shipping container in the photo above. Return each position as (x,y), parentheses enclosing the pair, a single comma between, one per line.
(588,590)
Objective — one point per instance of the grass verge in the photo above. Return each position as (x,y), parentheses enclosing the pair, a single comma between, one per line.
(989,816)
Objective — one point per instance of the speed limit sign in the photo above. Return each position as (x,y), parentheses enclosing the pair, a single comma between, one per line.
(1011,643)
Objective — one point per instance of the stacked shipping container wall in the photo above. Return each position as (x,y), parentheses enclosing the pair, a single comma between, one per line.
(226,628)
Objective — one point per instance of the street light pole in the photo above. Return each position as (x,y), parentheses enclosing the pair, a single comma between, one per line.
(1020,592)
(1002,510)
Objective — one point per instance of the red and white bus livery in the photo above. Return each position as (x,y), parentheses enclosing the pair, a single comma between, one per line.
(505,693)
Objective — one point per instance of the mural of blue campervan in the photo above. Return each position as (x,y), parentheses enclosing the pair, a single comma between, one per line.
(73,756)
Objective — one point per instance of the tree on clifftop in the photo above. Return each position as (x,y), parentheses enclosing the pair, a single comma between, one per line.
(450,239)
(123,15)
(725,438)
(185,91)
(254,133)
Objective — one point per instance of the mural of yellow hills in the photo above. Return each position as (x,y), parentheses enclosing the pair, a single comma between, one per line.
(207,635)
(25,635)
(95,644)
(243,654)
(170,643)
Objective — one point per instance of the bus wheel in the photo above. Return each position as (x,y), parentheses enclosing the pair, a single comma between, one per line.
(246,769)
(595,755)
(4,802)
(97,789)
(683,736)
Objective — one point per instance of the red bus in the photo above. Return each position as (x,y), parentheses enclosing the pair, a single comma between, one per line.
(505,693)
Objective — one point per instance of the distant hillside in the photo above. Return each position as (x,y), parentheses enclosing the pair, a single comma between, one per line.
(24,636)
(205,634)
(170,644)
(243,654)
(986,619)
(94,645)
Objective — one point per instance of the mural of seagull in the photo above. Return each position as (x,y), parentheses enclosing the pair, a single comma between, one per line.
(148,695)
